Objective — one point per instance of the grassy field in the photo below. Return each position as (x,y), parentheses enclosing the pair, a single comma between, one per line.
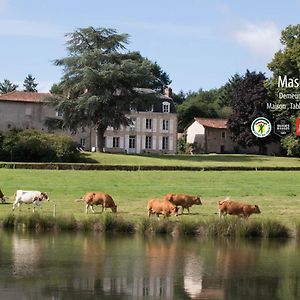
(277,193)
(201,160)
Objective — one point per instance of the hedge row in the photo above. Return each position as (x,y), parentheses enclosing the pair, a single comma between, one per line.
(80,166)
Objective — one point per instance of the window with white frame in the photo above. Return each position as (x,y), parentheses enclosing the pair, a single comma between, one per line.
(166,107)
(58,113)
(132,142)
(165,125)
(165,143)
(148,142)
(116,142)
(148,123)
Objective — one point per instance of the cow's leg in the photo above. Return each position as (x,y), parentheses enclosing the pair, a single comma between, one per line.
(188,209)
(182,210)
(102,208)
(149,213)
(86,208)
(92,208)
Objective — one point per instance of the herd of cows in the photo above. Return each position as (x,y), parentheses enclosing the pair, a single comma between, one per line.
(167,206)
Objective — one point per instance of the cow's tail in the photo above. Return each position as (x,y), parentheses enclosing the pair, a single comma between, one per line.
(78,200)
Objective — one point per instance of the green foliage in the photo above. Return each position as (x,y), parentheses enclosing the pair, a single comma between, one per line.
(7,86)
(182,145)
(99,81)
(249,98)
(286,62)
(200,104)
(33,146)
(291,145)
(29,84)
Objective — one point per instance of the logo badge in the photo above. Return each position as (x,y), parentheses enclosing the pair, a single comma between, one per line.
(282,127)
(261,127)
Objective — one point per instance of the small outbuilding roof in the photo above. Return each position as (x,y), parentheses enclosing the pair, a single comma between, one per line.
(213,123)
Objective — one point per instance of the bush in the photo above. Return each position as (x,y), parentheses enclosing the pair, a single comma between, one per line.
(34,146)
(291,145)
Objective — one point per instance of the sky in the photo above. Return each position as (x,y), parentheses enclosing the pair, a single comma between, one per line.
(199,43)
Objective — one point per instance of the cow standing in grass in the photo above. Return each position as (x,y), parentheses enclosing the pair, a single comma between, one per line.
(98,198)
(239,209)
(30,197)
(185,201)
(161,207)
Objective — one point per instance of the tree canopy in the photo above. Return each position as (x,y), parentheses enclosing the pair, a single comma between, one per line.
(7,86)
(29,84)
(100,78)
(249,98)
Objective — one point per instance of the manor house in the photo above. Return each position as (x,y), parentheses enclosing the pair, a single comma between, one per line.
(152,130)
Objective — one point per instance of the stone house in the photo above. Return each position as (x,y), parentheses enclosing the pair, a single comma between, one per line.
(152,130)
(212,136)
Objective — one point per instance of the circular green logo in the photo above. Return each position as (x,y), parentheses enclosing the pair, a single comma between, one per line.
(261,127)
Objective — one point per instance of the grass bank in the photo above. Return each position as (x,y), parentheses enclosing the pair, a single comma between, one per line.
(234,227)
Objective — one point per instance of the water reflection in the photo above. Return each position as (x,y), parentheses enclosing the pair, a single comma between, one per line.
(78,266)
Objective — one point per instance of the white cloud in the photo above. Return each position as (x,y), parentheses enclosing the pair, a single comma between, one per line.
(28,29)
(262,39)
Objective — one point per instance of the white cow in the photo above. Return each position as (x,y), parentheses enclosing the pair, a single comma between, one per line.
(28,197)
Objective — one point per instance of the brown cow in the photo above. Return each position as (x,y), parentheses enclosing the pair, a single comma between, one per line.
(161,207)
(2,197)
(237,208)
(98,198)
(185,201)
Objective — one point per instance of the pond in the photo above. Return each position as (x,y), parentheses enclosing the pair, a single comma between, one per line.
(89,266)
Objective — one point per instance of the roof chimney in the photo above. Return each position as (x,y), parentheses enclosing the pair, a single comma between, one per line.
(168,91)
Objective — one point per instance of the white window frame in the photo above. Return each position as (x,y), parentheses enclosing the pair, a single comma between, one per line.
(148,142)
(165,143)
(82,142)
(59,114)
(166,107)
(116,142)
(165,125)
(148,124)
(132,142)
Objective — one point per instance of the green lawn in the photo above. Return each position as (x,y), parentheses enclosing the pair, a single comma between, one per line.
(277,193)
(200,160)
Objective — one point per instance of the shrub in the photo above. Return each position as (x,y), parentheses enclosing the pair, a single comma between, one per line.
(34,146)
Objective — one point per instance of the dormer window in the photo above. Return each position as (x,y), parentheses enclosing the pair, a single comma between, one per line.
(166,107)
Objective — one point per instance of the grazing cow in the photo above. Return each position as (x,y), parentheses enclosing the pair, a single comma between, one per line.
(28,197)
(98,198)
(2,197)
(185,201)
(161,207)
(237,208)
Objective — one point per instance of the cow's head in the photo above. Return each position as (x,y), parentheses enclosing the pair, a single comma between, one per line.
(256,209)
(197,200)
(44,196)
(114,209)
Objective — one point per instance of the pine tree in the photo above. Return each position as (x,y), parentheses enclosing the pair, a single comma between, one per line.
(29,84)
(7,86)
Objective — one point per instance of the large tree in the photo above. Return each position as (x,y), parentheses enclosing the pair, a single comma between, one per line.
(100,78)
(249,99)
(7,86)
(29,84)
